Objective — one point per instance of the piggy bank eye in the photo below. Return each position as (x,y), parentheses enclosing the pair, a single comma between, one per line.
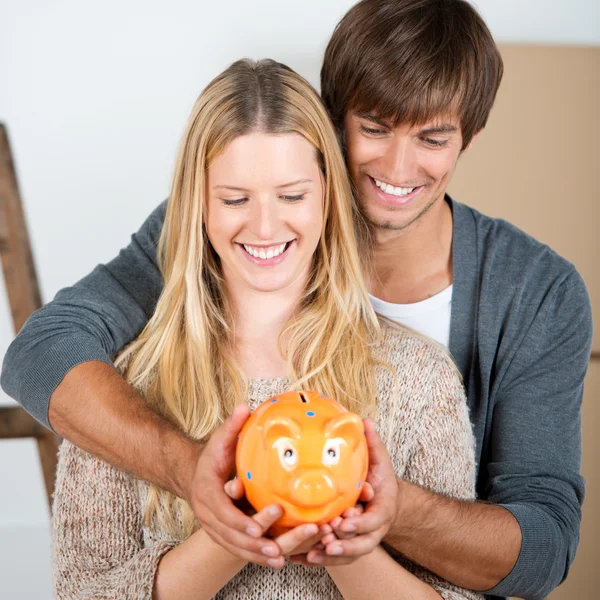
(331,454)
(289,457)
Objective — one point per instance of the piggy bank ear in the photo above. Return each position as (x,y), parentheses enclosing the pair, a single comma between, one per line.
(277,427)
(348,426)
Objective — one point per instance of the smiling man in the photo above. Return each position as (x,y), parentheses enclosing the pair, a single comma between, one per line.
(408,84)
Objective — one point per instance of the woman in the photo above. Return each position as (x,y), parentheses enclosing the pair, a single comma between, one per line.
(263,292)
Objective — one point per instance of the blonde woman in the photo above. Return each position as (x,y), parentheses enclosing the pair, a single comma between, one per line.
(263,292)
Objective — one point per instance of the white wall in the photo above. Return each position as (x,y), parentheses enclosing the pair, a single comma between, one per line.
(95,96)
(566,22)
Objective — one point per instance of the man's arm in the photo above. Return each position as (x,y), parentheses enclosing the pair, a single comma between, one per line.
(97,410)
(472,544)
(535,465)
(522,543)
(90,321)
(59,368)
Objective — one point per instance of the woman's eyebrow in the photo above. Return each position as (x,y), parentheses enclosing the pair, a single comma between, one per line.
(240,189)
(297,182)
(230,187)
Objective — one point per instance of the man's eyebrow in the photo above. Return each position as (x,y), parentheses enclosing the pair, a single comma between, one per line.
(373,119)
(239,189)
(443,128)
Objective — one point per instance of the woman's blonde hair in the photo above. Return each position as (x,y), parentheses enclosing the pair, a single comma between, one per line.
(183,362)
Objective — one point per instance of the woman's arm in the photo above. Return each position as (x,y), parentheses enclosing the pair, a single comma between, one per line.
(199,567)
(196,570)
(99,551)
(377,575)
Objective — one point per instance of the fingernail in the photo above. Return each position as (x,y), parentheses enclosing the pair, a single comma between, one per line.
(274,511)
(318,558)
(349,527)
(268,551)
(334,550)
(309,529)
(274,562)
(253,532)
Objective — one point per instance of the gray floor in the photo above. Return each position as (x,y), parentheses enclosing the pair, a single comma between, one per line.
(24,524)
(25,563)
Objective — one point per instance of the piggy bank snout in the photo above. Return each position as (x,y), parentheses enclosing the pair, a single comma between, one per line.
(312,488)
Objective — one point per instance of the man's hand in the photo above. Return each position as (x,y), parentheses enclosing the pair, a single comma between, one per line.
(362,532)
(228,526)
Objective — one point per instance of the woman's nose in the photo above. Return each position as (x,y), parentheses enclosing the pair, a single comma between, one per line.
(264,220)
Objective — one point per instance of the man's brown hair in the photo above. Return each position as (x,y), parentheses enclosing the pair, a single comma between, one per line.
(409,61)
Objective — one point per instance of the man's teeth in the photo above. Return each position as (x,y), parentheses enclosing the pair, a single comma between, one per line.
(390,189)
(270,253)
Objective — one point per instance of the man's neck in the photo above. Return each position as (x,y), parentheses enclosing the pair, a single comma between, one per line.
(415,263)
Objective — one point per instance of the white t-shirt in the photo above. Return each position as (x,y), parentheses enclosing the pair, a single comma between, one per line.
(430,317)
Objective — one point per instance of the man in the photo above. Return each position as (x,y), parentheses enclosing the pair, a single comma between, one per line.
(409,84)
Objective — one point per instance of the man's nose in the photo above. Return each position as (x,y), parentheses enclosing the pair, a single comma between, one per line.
(400,161)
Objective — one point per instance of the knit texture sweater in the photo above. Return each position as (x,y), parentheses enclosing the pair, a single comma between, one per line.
(103,550)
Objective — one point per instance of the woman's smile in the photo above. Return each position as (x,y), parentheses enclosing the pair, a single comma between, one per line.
(266,256)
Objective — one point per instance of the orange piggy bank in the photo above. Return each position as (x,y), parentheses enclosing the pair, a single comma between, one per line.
(305,452)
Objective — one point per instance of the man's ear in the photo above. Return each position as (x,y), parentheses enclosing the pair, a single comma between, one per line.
(472,141)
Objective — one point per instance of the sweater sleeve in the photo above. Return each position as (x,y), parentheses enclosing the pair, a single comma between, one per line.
(97,532)
(442,459)
(91,320)
(534,471)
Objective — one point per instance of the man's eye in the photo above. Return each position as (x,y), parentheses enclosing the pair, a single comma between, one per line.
(293,198)
(436,143)
(371,130)
(235,202)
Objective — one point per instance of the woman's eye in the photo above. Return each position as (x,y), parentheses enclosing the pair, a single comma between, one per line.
(293,198)
(235,202)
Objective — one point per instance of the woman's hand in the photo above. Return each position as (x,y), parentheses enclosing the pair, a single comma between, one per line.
(299,540)
(330,533)
(226,524)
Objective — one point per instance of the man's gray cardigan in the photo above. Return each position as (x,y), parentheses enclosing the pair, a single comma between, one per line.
(520,333)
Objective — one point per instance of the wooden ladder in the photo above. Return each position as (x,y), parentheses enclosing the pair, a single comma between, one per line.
(24,297)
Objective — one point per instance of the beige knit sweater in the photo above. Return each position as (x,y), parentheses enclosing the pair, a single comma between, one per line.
(102,550)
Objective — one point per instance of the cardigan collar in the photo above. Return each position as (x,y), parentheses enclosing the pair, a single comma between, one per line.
(465,292)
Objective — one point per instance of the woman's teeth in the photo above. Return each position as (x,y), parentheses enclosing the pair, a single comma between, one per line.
(265,253)
(390,189)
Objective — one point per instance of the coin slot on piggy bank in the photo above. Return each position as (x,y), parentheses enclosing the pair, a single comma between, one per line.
(305,452)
